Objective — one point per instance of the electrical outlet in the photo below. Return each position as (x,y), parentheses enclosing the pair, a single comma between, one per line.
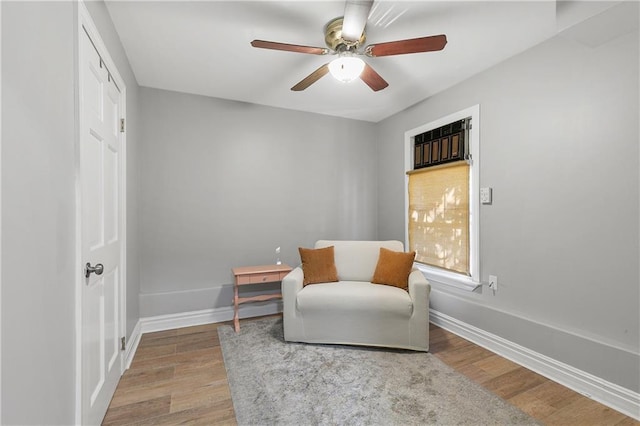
(278,261)
(493,282)
(485,195)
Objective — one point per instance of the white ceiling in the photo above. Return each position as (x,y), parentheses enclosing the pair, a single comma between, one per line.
(202,47)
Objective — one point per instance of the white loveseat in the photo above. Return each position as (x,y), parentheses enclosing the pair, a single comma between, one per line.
(354,311)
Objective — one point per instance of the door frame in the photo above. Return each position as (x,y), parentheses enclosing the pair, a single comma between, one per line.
(0,214)
(84,22)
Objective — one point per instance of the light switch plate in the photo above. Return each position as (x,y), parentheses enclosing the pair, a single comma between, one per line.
(485,195)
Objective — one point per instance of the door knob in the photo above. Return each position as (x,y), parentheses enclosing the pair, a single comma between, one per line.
(88,269)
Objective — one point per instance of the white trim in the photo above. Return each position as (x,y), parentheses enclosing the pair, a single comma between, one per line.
(0,214)
(123,220)
(188,319)
(132,345)
(435,274)
(607,393)
(85,22)
(446,278)
(78,227)
(205,316)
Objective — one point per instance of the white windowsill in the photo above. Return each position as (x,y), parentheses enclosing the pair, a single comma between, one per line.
(447,278)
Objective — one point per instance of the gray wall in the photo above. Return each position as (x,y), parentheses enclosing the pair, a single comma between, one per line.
(38,208)
(559,146)
(38,214)
(223,183)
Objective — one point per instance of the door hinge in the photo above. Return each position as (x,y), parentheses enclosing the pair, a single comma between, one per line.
(122,125)
(123,342)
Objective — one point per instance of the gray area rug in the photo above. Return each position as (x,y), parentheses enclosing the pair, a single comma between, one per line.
(274,382)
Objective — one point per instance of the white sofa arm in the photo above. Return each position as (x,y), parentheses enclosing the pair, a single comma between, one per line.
(291,285)
(419,289)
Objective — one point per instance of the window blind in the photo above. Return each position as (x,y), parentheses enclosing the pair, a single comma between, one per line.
(439,216)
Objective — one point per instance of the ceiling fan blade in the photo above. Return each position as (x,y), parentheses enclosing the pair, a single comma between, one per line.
(372,78)
(356,13)
(311,78)
(262,44)
(401,47)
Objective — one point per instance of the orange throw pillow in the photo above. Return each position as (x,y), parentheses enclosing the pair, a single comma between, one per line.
(318,265)
(393,268)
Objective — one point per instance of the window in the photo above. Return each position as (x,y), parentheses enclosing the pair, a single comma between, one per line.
(442,165)
(439,216)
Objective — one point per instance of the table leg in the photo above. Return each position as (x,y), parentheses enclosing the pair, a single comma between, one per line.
(236,320)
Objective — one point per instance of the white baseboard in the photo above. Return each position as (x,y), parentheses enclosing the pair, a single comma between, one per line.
(607,393)
(206,316)
(132,346)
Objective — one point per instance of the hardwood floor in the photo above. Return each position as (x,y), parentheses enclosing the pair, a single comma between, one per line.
(178,377)
(543,399)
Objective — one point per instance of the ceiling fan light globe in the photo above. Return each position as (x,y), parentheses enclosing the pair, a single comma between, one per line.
(346,68)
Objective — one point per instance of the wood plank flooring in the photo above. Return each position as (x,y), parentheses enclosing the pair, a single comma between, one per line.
(178,377)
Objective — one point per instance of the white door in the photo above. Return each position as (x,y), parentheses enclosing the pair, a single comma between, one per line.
(101,236)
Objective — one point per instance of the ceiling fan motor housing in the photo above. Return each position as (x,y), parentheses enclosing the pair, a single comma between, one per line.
(333,37)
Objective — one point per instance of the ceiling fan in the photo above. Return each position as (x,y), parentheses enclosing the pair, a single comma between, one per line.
(344,37)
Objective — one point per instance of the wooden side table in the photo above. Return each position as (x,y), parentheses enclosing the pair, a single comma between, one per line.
(256,275)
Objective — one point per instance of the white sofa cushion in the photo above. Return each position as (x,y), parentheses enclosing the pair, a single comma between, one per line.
(357,260)
(354,297)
